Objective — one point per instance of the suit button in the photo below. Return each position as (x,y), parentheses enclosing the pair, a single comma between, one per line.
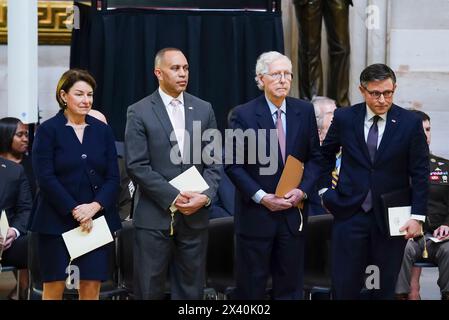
(95,187)
(92,172)
(83,156)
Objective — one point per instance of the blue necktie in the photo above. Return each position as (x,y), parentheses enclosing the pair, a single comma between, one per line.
(371,143)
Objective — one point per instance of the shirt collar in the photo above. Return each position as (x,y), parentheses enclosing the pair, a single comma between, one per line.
(369,114)
(274,109)
(166,99)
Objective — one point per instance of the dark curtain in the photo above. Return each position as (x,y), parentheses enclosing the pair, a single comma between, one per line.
(118,48)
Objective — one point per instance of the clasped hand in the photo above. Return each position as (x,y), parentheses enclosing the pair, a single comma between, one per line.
(275,203)
(189,202)
(84,213)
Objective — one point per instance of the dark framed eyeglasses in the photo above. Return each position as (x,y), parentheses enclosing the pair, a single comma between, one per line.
(278,75)
(376,94)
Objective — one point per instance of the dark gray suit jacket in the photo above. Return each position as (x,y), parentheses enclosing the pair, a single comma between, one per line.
(15,194)
(147,154)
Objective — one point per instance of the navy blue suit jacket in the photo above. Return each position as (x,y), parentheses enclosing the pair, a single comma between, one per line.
(401,161)
(70,173)
(302,142)
(15,194)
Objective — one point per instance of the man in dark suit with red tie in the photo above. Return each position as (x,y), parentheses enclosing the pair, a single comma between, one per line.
(270,229)
(384,149)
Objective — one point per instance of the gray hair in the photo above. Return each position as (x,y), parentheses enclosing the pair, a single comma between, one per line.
(263,64)
(317,102)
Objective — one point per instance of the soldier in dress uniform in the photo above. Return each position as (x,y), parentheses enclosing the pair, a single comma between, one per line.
(436,227)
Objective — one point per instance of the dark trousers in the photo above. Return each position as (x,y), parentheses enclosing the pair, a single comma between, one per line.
(281,256)
(182,256)
(17,254)
(357,244)
(310,14)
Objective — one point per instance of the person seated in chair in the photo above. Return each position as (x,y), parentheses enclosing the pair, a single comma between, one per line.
(324,108)
(436,225)
(15,199)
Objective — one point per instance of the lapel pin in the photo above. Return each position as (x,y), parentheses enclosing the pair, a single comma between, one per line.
(3,165)
(190,108)
(392,120)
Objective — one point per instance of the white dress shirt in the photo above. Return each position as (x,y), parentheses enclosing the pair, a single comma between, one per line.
(178,126)
(257,197)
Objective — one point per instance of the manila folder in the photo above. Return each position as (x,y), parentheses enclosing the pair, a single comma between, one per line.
(80,242)
(190,180)
(291,177)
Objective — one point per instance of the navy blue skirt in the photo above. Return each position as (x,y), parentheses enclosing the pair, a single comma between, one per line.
(54,258)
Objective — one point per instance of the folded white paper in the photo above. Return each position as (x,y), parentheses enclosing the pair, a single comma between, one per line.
(397,218)
(4,225)
(190,180)
(80,242)
(436,240)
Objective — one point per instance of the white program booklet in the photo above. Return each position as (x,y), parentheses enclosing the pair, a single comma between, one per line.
(4,225)
(80,242)
(397,217)
(190,180)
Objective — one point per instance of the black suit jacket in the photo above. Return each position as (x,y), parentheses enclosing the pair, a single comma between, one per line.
(401,161)
(15,194)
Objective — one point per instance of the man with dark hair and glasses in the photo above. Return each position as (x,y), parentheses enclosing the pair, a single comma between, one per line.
(384,150)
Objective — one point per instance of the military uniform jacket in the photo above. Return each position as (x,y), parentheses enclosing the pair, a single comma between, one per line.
(438,205)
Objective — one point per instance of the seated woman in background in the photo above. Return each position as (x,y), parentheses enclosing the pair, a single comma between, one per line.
(15,199)
(14,146)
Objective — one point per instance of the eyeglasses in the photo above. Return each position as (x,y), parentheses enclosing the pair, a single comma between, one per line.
(376,94)
(278,75)
(21,134)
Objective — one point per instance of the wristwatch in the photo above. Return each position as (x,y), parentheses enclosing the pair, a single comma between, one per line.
(207,205)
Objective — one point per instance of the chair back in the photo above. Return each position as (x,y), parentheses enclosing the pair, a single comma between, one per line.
(317,257)
(220,254)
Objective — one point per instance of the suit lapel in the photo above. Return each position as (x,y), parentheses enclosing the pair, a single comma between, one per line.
(265,121)
(264,117)
(293,117)
(161,113)
(390,129)
(3,175)
(189,112)
(359,124)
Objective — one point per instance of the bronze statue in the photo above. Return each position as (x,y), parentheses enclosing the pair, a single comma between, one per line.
(310,14)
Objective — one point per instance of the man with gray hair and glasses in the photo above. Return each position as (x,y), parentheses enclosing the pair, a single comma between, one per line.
(384,150)
(270,229)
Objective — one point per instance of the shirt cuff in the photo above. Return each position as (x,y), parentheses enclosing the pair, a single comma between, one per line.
(322,191)
(418,217)
(172,207)
(257,197)
(16,231)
